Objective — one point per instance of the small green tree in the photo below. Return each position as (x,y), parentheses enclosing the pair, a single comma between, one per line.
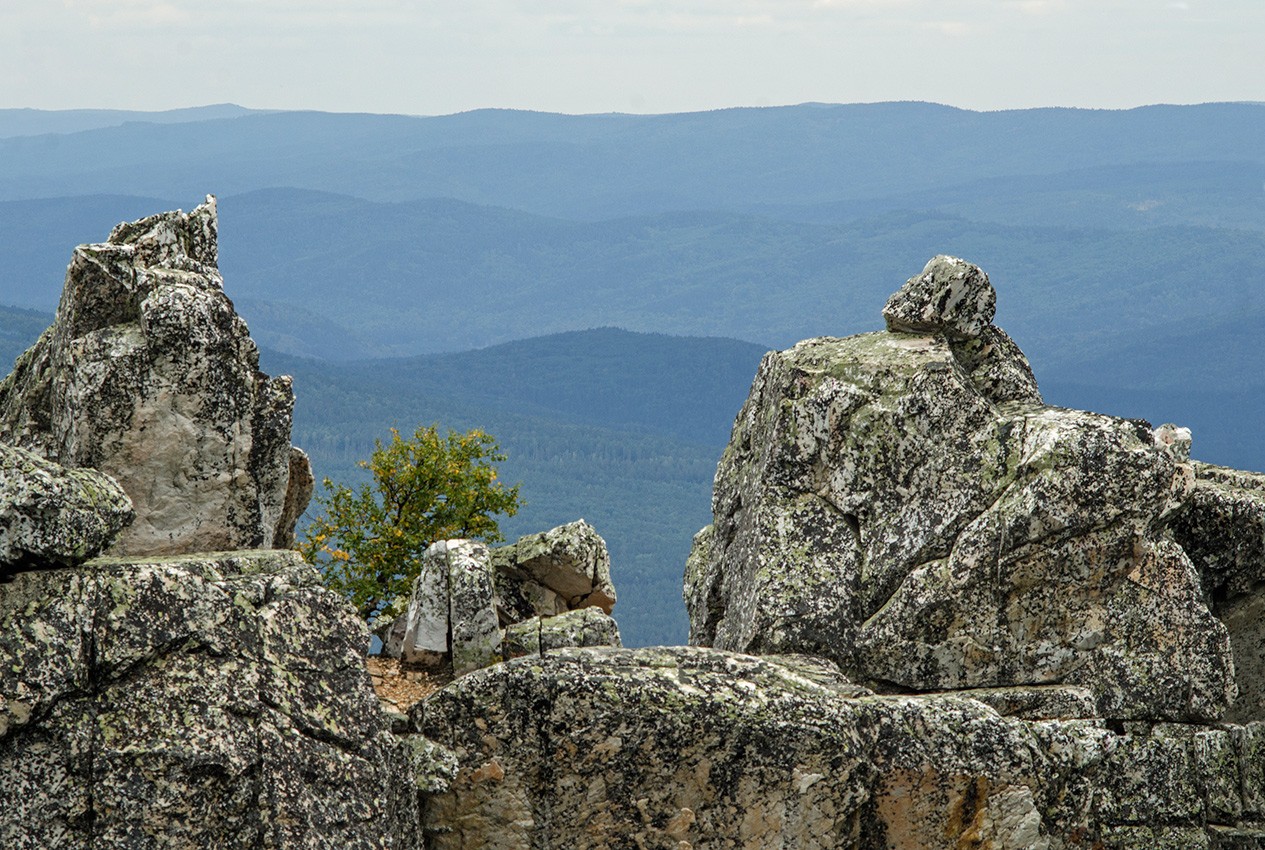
(368,542)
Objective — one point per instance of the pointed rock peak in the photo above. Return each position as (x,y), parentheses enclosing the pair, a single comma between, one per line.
(950,296)
(172,238)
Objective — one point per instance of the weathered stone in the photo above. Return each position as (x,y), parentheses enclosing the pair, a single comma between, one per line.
(434,767)
(149,375)
(298,493)
(472,621)
(452,612)
(877,507)
(392,631)
(950,297)
(1154,838)
(582,627)
(592,748)
(997,367)
(1223,532)
(662,746)
(559,570)
(1149,779)
(216,700)
(426,635)
(52,516)
(1047,702)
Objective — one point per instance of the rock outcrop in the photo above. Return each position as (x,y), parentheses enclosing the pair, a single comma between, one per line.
(164,700)
(974,620)
(212,700)
(903,504)
(696,748)
(52,516)
(1222,529)
(148,375)
(471,606)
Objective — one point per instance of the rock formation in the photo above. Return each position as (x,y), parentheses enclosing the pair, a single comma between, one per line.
(471,606)
(203,701)
(564,569)
(697,748)
(149,376)
(981,621)
(884,505)
(941,614)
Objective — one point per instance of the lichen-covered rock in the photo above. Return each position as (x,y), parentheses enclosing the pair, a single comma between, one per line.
(667,748)
(559,570)
(299,486)
(1223,532)
(149,375)
(886,503)
(681,747)
(950,297)
(997,367)
(581,627)
(51,516)
(452,611)
(215,700)
(471,605)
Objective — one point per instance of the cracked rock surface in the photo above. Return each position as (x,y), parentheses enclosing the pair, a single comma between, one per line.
(148,375)
(215,700)
(903,504)
(53,516)
(679,747)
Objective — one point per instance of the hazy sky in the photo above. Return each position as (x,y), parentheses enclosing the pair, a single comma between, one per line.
(427,57)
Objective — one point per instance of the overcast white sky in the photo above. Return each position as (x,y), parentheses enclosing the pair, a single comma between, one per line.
(432,57)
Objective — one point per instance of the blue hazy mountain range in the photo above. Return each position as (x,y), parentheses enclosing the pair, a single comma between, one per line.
(409,270)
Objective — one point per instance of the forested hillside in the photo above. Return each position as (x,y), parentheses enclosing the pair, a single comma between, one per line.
(479,251)
(621,429)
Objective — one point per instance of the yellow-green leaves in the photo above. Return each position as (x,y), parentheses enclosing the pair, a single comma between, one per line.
(369,542)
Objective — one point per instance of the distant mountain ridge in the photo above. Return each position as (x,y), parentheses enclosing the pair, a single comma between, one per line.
(599,166)
(36,122)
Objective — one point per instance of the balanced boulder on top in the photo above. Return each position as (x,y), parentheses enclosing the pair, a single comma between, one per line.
(901,502)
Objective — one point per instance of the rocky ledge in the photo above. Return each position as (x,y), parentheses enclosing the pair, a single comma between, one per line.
(932,612)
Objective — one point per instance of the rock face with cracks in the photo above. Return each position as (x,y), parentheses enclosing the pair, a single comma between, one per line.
(1223,532)
(149,376)
(472,606)
(903,504)
(215,700)
(696,748)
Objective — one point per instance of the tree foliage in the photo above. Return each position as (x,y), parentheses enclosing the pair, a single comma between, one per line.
(369,542)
